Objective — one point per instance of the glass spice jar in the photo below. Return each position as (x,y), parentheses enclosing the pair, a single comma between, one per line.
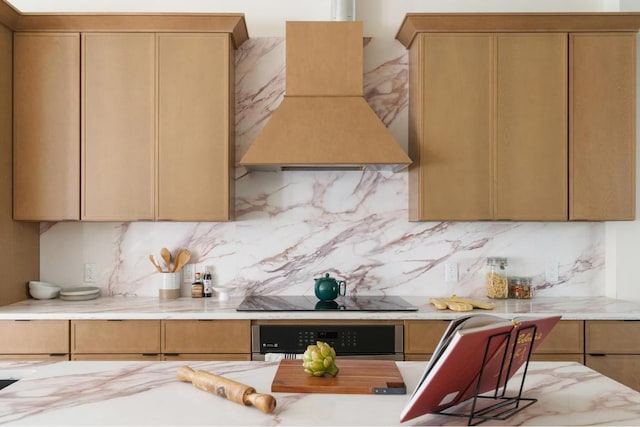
(520,288)
(497,278)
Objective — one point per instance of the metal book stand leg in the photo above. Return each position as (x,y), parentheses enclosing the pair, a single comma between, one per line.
(503,406)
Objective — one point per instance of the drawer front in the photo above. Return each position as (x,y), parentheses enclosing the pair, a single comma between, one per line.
(122,336)
(612,336)
(117,357)
(54,357)
(566,337)
(206,356)
(206,336)
(422,336)
(558,357)
(34,337)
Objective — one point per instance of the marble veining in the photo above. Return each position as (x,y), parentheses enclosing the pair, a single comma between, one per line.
(294,226)
(576,308)
(148,393)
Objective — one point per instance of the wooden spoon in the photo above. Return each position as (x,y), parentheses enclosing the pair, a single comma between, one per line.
(153,261)
(166,256)
(183,258)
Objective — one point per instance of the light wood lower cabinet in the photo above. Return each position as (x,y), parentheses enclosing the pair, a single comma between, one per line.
(421,337)
(206,339)
(564,343)
(34,339)
(115,339)
(612,348)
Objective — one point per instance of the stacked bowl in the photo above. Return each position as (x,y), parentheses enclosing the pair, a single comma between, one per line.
(43,290)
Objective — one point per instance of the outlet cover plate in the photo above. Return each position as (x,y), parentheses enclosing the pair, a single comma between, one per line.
(451,272)
(89,273)
(188,273)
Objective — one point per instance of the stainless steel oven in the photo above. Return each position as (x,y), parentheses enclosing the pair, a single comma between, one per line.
(362,341)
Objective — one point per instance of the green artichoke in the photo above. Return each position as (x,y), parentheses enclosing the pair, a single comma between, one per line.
(320,359)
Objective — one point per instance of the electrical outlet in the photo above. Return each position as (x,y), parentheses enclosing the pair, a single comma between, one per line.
(89,273)
(188,273)
(451,272)
(551,272)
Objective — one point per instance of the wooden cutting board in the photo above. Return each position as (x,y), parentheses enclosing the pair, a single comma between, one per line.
(355,377)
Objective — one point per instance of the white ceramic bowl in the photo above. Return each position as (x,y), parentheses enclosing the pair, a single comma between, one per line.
(43,290)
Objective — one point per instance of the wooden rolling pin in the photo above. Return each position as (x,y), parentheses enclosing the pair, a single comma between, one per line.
(224,387)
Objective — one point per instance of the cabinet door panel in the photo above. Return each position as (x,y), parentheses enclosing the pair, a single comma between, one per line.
(211,336)
(118,122)
(531,136)
(125,336)
(456,110)
(612,336)
(566,337)
(624,368)
(602,135)
(195,74)
(46,149)
(422,336)
(34,337)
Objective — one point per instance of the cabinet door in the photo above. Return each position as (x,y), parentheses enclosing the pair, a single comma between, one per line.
(206,336)
(531,133)
(602,136)
(46,147)
(421,337)
(118,126)
(451,130)
(115,336)
(565,342)
(195,124)
(623,368)
(612,336)
(50,337)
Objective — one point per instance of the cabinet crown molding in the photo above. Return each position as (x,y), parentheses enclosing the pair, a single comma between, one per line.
(232,23)
(415,23)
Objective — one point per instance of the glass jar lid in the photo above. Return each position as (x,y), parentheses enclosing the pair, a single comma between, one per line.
(497,261)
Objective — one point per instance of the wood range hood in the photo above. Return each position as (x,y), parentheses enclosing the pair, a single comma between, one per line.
(324,121)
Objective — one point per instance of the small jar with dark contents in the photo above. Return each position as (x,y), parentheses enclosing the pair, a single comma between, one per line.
(520,288)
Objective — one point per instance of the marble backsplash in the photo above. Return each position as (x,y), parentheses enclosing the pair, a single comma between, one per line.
(294,226)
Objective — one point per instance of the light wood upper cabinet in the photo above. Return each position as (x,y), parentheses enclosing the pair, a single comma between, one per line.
(488,127)
(450,131)
(195,127)
(521,116)
(118,126)
(531,127)
(46,149)
(602,138)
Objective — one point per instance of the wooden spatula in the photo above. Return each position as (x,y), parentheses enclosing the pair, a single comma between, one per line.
(182,259)
(166,257)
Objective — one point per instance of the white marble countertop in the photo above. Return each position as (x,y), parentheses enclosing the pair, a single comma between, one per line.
(580,308)
(148,393)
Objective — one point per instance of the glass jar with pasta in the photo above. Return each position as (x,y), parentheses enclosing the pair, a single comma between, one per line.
(497,278)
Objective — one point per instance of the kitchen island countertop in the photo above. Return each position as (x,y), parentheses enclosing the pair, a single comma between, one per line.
(148,393)
(578,308)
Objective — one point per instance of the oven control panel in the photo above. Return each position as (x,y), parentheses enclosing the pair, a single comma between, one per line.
(345,339)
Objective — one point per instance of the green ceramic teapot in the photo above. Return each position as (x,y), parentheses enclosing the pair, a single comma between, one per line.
(327,288)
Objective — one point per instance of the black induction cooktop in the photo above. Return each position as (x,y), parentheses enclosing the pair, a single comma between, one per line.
(311,303)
